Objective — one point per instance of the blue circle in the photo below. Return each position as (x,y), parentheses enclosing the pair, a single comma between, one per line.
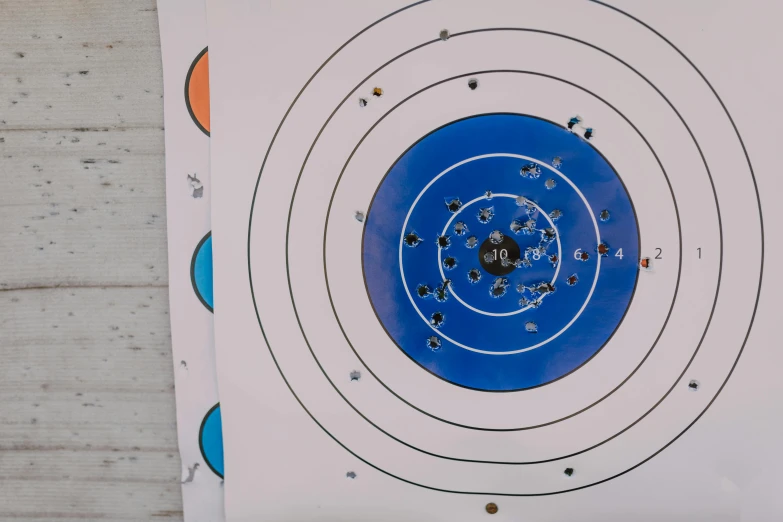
(526,328)
(201,271)
(211,440)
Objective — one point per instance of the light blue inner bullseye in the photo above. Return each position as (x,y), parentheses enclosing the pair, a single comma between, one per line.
(524,337)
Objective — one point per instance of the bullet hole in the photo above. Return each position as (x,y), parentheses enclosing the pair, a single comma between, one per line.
(453,205)
(531,170)
(351,475)
(589,133)
(523,302)
(488,194)
(526,263)
(550,184)
(529,228)
(604,215)
(444,242)
(359,216)
(548,235)
(568,472)
(491,508)
(474,275)
(535,303)
(555,214)
(423,291)
(441,292)
(584,256)
(645,263)
(433,343)
(545,288)
(473,84)
(553,259)
(460,228)
(489,257)
(363,102)
(436,319)
(521,201)
(449,263)
(516,226)
(471,242)
(444,34)
(485,215)
(355,375)
(576,120)
(496,237)
(530,208)
(412,240)
(602,249)
(557,161)
(694,385)
(531,327)
(572,280)
(195,187)
(499,287)
(377,92)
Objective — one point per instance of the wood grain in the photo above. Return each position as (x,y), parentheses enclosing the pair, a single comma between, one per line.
(87,426)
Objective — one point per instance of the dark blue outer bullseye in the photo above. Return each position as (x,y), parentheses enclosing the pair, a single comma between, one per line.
(488,134)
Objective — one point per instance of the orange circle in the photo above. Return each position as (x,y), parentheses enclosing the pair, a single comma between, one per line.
(197,91)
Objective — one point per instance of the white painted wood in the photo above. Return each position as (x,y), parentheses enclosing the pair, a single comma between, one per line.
(87,427)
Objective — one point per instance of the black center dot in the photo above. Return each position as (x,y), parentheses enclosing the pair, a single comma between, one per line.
(491,256)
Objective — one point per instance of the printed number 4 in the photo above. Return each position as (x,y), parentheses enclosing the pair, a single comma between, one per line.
(619,253)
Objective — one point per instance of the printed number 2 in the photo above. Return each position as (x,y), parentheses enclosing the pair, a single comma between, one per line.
(658,253)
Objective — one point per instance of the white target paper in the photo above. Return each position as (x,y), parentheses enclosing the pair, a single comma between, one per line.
(188,190)
(496,259)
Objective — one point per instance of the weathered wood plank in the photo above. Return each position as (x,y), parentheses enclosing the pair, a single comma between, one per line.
(82,208)
(87,427)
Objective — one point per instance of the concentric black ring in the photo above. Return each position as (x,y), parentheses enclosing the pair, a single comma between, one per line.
(714,302)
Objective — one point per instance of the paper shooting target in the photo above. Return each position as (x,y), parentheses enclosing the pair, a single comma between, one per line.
(501,261)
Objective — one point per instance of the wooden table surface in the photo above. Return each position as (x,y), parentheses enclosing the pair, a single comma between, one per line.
(87,422)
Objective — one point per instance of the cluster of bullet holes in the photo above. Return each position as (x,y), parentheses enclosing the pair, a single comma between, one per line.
(576,126)
(531,171)
(377,92)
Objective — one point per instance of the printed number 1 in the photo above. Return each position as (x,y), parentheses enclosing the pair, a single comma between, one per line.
(699,249)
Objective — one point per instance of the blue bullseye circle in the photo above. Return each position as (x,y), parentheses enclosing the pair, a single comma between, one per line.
(501,252)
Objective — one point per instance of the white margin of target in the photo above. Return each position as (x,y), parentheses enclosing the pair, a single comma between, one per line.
(597,268)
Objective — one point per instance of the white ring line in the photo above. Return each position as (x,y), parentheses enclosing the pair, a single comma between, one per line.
(500,155)
(484,198)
